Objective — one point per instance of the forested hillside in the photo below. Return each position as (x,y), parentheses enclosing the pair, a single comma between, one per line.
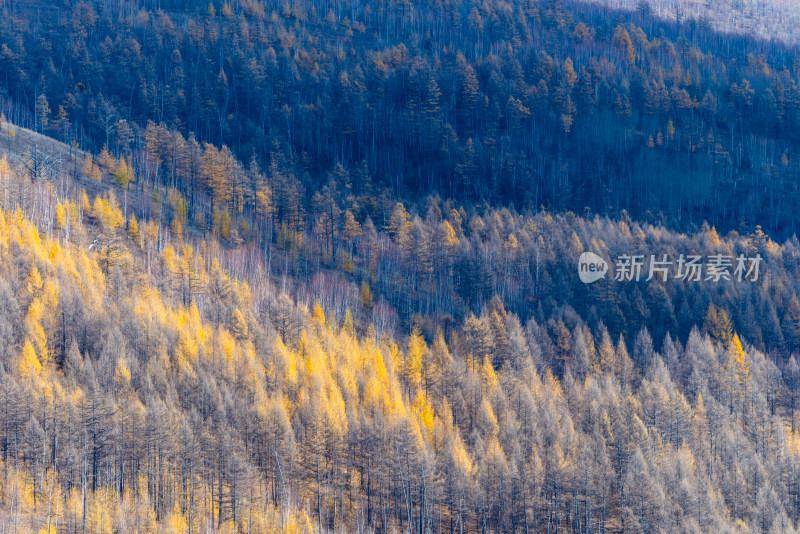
(145,389)
(311,267)
(531,103)
(766,19)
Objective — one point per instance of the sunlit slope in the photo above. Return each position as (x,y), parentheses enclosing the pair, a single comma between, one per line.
(765,19)
(148,390)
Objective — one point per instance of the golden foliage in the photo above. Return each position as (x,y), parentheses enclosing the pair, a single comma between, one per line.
(122,374)
(133,230)
(319,315)
(106,210)
(91,170)
(28,364)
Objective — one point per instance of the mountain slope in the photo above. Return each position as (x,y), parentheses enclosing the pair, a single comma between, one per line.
(148,389)
(565,105)
(766,19)
(395,267)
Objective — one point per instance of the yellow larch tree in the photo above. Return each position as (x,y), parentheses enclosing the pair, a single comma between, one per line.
(35,331)
(412,363)
(28,364)
(318,314)
(107,212)
(91,169)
